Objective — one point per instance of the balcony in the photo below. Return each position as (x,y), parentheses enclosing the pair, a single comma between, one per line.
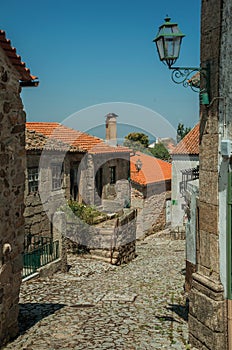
(188,175)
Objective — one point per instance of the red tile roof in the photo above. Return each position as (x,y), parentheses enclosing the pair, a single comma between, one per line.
(153,169)
(189,144)
(195,80)
(36,141)
(81,140)
(105,148)
(15,59)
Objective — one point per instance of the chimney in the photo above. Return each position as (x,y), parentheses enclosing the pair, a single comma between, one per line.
(111,129)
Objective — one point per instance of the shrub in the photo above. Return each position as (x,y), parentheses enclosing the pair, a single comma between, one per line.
(85,212)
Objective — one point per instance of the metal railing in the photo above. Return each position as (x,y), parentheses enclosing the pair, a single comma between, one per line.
(38,251)
(188,175)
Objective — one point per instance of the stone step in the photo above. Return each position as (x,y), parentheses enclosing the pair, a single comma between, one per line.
(98,257)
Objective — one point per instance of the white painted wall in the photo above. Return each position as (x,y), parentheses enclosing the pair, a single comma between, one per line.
(180,162)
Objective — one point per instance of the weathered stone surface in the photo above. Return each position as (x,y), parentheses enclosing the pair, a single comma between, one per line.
(208,311)
(204,258)
(12,168)
(190,269)
(113,240)
(209,152)
(208,191)
(205,336)
(151,211)
(208,217)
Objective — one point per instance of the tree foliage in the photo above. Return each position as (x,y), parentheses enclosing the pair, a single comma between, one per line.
(182,131)
(160,151)
(139,141)
(136,140)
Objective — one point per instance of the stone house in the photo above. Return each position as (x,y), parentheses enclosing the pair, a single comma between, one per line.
(185,162)
(151,192)
(42,153)
(66,164)
(13,76)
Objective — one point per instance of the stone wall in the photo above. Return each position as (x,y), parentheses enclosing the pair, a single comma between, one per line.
(12,167)
(112,241)
(36,219)
(41,205)
(207,318)
(150,202)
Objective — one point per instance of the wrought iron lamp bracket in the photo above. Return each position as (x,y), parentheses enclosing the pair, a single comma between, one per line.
(187,76)
(184,75)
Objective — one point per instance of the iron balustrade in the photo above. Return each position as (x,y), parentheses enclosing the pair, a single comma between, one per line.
(188,175)
(38,251)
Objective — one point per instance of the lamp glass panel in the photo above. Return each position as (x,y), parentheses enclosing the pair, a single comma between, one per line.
(176,46)
(171,47)
(175,29)
(160,48)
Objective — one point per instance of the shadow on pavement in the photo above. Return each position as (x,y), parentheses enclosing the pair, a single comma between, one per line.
(181,310)
(167,318)
(31,313)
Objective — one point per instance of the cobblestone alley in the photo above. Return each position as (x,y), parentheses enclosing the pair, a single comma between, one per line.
(100,306)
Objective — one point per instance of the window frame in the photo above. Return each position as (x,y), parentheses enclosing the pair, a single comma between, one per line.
(33,179)
(57,176)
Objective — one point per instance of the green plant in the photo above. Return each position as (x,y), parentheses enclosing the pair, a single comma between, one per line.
(85,212)
(136,140)
(160,151)
(181,132)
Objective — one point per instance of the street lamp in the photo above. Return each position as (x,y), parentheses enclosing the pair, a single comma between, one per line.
(168,42)
(138,164)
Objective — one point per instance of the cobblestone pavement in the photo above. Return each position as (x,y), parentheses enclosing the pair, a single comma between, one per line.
(99,306)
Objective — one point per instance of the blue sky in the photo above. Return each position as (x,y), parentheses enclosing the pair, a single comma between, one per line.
(91,52)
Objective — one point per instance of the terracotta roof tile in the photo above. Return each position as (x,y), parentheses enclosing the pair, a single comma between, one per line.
(83,141)
(189,144)
(37,141)
(105,148)
(60,132)
(15,59)
(195,80)
(153,169)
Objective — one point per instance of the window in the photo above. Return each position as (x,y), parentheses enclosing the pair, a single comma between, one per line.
(98,180)
(57,176)
(33,179)
(112,174)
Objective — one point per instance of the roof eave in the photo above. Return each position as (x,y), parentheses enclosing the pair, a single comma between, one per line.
(28,83)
